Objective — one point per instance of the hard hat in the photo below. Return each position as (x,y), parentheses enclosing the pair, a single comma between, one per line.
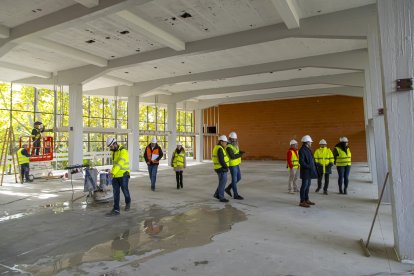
(179,144)
(343,139)
(322,142)
(223,138)
(25,145)
(306,138)
(154,140)
(233,135)
(293,142)
(110,141)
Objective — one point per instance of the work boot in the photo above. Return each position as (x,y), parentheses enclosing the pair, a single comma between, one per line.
(181,184)
(112,213)
(345,192)
(128,207)
(309,202)
(304,204)
(228,191)
(223,200)
(325,192)
(317,190)
(239,197)
(340,191)
(216,196)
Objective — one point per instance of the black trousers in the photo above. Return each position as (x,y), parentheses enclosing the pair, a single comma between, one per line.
(24,172)
(179,178)
(325,186)
(36,147)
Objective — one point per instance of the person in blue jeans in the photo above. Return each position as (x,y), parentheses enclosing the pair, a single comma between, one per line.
(152,155)
(221,167)
(120,175)
(342,156)
(235,155)
(308,170)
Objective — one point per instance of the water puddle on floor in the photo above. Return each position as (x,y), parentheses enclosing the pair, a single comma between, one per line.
(158,233)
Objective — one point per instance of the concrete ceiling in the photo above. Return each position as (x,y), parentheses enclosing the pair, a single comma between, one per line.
(203,51)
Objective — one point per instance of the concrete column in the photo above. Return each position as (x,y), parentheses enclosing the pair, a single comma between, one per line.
(376,123)
(75,125)
(133,137)
(172,127)
(397,54)
(199,134)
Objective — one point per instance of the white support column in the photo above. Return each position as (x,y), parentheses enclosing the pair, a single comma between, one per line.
(376,123)
(133,124)
(397,53)
(172,127)
(199,134)
(75,125)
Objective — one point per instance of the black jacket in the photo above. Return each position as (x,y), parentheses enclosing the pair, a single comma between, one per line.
(220,156)
(307,164)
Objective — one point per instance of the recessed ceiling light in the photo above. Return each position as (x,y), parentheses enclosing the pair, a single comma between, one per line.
(124,32)
(186,15)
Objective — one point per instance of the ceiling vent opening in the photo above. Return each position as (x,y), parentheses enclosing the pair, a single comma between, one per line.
(186,15)
(124,32)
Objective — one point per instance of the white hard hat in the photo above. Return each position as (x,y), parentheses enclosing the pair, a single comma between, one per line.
(179,144)
(293,142)
(306,138)
(233,135)
(110,141)
(323,142)
(223,138)
(343,139)
(154,140)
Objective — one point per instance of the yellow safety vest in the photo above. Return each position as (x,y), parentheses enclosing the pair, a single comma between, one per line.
(237,161)
(22,159)
(178,160)
(216,162)
(295,160)
(120,160)
(323,156)
(343,159)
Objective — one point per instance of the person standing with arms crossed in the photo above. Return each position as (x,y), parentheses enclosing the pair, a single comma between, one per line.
(293,166)
(120,175)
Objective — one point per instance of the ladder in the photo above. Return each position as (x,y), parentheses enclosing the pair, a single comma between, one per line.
(8,142)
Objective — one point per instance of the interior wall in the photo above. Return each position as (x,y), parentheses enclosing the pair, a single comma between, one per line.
(265,128)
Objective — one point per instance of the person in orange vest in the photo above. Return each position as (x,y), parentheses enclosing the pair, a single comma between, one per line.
(293,166)
(342,155)
(152,155)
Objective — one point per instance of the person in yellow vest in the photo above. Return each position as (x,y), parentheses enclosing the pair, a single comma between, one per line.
(235,155)
(178,162)
(293,166)
(24,161)
(221,167)
(342,156)
(324,161)
(120,175)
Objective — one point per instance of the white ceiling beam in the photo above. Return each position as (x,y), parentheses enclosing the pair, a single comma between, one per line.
(65,18)
(68,51)
(20,68)
(152,32)
(288,10)
(344,91)
(348,79)
(118,80)
(4,32)
(88,3)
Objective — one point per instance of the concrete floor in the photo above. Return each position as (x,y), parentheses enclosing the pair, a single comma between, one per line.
(188,232)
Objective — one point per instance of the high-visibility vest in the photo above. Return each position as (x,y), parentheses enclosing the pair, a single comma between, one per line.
(236,150)
(178,160)
(295,159)
(323,156)
(22,159)
(216,162)
(344,158)
(151,152)
(120,160)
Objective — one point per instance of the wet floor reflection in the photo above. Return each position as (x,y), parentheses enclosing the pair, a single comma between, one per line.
(157,233)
